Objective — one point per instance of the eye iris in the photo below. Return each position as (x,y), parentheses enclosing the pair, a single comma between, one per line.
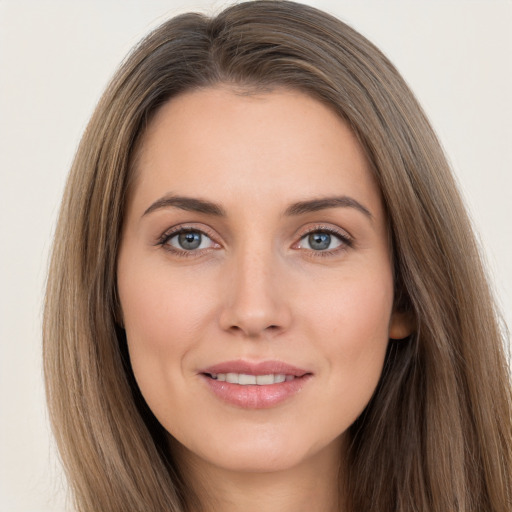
(319,241)
(189,241)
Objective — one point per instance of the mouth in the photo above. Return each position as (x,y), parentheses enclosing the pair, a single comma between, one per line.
(246,379)
(255,385)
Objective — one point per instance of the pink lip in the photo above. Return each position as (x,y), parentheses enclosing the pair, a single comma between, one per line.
(255,396)
(263,368)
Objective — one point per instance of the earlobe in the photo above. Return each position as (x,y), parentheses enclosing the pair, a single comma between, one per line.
(401,325)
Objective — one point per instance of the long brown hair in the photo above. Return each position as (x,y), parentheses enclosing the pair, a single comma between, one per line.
(437,434)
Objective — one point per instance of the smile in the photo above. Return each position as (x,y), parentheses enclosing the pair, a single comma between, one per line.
(250,385)
(245,379)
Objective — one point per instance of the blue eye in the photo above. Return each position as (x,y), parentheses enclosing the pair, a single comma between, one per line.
(322,241)
(189,240)
(319,241)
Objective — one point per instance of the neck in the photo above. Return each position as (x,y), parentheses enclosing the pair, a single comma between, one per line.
(311,485)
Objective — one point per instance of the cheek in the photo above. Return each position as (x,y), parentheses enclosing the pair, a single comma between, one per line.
(364,320)
(161,311)
(355,309)
(351,327)
(163,317)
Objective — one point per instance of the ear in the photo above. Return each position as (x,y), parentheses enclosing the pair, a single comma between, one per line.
(401,325)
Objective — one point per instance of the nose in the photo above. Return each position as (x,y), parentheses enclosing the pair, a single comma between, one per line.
(255,299)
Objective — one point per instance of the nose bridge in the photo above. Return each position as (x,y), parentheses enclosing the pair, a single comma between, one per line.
(254,301)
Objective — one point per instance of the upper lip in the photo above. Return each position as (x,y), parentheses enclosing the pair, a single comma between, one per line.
(250,368)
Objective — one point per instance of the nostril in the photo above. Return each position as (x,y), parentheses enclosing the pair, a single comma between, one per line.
(273,328)
(254,320)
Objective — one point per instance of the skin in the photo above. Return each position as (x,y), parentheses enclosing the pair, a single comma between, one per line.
(256,290)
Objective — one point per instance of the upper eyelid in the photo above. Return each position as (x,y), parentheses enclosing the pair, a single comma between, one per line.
(342,233)
(347,241)
(180,228)
(164,241)
(216,238)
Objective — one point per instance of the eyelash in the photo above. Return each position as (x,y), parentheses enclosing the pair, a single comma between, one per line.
(347,242)
(178,230)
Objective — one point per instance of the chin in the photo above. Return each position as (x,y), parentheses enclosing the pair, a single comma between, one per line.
(266,460)
(257,452)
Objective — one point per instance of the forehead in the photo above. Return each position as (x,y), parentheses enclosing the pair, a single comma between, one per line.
(282,144)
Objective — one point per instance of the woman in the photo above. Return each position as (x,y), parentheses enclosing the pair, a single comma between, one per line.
(265,291)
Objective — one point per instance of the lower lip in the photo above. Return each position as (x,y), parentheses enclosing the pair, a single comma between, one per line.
(254,396)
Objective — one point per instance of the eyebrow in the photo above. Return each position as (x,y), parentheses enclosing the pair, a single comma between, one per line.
(315,205)
(300,208)
(190,204)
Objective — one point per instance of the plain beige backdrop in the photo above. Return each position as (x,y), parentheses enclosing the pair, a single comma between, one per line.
(55,59)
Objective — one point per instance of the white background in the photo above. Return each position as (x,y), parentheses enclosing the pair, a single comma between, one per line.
(55,60)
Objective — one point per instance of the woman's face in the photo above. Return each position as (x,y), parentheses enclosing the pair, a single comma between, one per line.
(255,278)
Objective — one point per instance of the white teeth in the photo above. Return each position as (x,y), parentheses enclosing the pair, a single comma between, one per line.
(264,379)
(232,378)
(245,379)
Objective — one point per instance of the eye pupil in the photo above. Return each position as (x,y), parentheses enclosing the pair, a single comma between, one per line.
(189,241)
(319,241)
